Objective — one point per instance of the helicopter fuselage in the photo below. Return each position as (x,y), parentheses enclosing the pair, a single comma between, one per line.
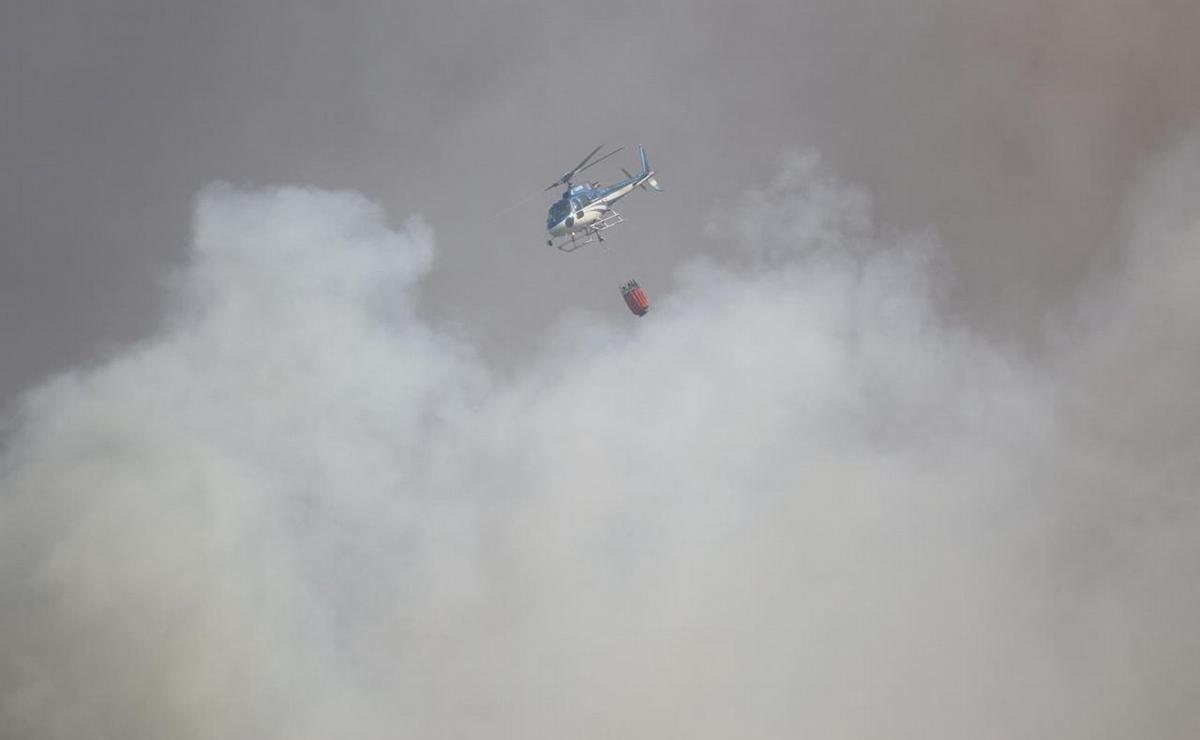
(583,205)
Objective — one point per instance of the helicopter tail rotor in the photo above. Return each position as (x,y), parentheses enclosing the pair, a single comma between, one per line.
(651,182)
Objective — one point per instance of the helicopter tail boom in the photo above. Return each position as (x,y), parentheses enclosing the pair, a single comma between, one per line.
(647,174)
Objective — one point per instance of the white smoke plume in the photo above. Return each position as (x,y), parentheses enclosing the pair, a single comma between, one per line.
(794,501)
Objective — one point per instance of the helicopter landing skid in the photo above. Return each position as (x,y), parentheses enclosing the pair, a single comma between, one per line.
(576,241)
(593,233)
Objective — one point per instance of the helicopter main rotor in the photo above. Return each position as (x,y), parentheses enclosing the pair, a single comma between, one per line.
(566,177)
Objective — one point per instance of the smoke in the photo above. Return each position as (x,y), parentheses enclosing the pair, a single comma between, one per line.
(796,500)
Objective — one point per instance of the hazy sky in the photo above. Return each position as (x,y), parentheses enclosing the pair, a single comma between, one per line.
(1011,129)
(308,434)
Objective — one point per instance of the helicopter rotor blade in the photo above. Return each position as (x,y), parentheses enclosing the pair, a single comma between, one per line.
(566,176)
(598,161)
(579,166)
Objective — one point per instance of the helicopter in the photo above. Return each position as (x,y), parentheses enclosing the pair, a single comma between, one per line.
(585,211)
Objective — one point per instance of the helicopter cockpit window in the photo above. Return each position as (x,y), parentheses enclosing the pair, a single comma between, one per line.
(559,210)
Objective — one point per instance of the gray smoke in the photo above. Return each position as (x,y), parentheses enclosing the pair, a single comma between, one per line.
(795,500)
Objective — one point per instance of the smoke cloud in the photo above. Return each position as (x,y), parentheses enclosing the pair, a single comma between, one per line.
(795,500)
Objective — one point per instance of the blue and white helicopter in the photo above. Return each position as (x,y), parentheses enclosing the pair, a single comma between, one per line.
(585,211)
